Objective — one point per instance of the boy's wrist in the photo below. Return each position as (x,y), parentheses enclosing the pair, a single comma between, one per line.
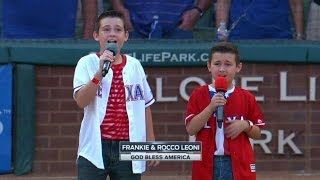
(151,138)
(97,78)
(96,81)
(98,75)
(212,108)
(249,126)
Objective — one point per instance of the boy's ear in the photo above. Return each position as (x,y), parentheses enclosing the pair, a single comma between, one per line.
(239,67)
(127,36)
(209,66)
(95,36)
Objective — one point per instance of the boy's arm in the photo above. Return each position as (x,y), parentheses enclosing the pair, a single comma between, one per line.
(199,120)
(253,132)
(236,127)
(149,125)
(296,7)
(87,93)
(150,134)
(251,125)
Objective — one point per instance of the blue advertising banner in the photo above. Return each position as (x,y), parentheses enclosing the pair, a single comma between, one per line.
(5,118)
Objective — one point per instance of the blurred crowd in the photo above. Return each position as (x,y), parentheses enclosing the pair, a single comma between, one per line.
(220,20)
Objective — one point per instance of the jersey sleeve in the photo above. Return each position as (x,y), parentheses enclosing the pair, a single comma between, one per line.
(256,115)
(81,76)
(149,99)
(193,106)
(148,93)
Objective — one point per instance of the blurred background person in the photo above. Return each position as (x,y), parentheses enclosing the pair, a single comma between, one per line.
(313,23)
(151,19)
(261,19)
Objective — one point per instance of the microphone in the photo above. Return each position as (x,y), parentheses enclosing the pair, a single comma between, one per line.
(111,46)
(221,86)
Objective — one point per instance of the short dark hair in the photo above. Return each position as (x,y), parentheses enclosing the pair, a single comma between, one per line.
(111,13)
(225,47)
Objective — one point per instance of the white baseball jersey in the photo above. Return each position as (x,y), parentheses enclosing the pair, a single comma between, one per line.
(138,97)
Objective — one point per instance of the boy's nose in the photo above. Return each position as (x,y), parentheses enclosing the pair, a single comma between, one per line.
(221,68)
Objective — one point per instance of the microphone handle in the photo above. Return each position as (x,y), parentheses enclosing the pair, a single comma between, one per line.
(220,113)
(106,67)
(220,116)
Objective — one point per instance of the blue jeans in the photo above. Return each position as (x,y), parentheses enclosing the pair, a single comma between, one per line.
(117,170)
(222,168)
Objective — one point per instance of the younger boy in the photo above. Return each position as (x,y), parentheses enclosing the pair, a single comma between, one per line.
(226,152)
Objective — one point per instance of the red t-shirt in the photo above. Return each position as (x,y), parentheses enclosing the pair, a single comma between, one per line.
(115,125)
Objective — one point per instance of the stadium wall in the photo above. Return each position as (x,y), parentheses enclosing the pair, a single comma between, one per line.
(283,76)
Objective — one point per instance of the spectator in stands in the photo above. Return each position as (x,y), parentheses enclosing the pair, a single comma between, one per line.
(313,24)
(116,107)
(226,150)
(161,19)
(261,19)
(89,15)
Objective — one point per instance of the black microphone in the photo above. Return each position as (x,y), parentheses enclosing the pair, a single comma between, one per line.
(221,86)
(111,46)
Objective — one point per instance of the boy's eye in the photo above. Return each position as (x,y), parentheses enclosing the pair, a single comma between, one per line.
(109,29)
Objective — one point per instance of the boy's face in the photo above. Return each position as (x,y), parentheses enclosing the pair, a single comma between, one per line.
(111,28)
(224,64)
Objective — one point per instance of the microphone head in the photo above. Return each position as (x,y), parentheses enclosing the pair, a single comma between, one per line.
(112,46)
(221,84)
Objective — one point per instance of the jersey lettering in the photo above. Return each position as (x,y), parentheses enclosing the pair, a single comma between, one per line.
(134,92)
(138,92)
(99,92)
(206,126)
(229,118)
